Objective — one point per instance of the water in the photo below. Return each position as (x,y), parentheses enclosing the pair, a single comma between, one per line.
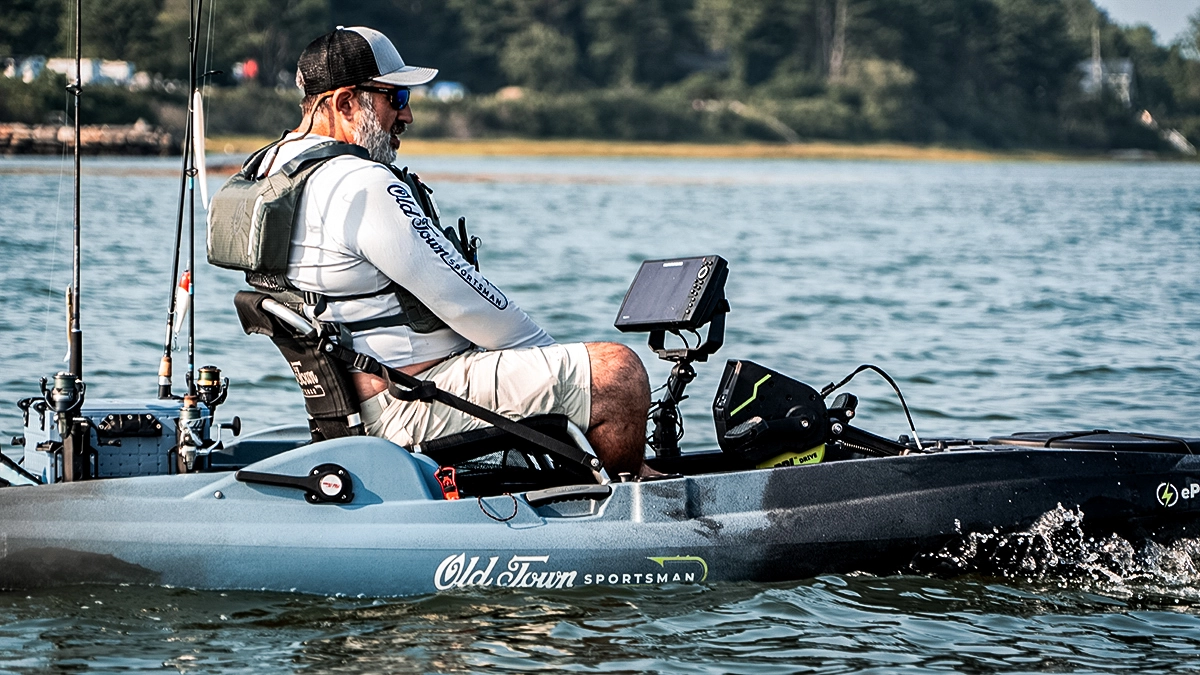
(1002,297)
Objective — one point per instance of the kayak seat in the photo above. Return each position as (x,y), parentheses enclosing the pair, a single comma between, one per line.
(490,461)
(329,395)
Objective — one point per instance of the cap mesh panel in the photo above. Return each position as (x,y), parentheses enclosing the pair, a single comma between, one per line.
(339,59)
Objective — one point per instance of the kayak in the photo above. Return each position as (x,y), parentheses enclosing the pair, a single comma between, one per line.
(708,523)
(161,492)
(158,493)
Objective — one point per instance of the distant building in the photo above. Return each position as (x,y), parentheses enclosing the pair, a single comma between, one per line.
(26,69)
(95,71)
(244,71)
(1111,75)
(117,72)
(448,91)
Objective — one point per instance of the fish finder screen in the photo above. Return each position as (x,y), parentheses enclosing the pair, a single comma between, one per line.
(677,294)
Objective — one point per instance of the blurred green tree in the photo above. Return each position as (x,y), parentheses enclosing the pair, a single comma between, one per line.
(30,27)
(639,41)
(488,25)
(540,57)
(112,29)
(272,32)
(426,32)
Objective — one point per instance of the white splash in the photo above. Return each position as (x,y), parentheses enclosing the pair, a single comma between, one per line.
(1057,549)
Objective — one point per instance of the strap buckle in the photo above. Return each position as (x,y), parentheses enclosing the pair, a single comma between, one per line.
(316,301)
(445,478)
(422,391)
(365,363)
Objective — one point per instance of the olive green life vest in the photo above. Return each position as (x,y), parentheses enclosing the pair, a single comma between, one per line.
(250,229)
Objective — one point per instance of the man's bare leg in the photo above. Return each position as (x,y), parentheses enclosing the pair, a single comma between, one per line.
(620,403)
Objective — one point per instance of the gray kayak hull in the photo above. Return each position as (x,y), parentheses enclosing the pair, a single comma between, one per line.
(398,536)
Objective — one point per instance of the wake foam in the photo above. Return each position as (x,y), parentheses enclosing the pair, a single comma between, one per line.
(1056,548)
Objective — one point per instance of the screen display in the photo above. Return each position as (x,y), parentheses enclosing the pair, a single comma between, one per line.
(666,294)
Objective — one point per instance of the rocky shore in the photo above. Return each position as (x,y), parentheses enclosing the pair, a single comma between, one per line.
(52,139)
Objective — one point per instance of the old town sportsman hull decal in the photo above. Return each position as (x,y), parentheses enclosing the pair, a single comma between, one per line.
(535,571)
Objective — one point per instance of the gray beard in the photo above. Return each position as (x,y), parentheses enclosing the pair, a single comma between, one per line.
(371,135)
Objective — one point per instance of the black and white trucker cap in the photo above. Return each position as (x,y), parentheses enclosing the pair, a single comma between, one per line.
(350,56)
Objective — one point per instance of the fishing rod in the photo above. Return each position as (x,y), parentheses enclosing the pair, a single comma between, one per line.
(65,398)
(75,336)
(183,291)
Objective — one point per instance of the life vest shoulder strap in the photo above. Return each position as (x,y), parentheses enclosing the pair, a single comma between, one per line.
(320,153)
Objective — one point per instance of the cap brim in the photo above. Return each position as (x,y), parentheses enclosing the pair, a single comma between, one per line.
(408,76)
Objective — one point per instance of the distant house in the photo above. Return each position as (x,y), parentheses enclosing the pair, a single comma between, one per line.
(27,69)
(448,91)
(95,71)
(117,72)
(1111,75)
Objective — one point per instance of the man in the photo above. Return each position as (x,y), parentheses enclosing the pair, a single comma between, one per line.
(360,232)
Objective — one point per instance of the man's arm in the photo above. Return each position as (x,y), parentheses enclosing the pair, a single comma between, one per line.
(398,238)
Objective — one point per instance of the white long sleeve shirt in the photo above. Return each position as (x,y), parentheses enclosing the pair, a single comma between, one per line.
(357,229)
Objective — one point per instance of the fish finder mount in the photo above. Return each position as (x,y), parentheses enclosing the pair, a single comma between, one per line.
(671,296)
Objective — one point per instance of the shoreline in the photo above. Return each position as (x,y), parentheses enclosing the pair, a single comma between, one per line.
(138,139)
(816,150)
(142,140)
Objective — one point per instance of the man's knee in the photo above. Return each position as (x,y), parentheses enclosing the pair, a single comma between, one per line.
(617,372)
(620,401)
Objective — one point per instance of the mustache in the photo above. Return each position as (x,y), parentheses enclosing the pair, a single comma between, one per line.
(399,128)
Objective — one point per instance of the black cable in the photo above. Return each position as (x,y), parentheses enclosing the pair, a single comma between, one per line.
(831,387)
(496,517)
(682,338)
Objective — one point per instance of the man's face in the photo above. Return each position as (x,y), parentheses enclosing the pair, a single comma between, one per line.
(378,125)
(395,121)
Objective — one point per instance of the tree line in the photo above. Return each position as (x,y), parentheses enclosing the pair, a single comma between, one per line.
(996,73)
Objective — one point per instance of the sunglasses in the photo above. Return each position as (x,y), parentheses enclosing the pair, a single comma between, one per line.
(397,97)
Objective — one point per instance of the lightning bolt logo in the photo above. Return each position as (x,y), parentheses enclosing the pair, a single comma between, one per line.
(1167,494)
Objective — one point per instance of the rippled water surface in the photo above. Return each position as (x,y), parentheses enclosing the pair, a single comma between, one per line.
(1002,297)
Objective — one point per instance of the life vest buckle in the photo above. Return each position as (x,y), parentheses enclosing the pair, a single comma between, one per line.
(446,479)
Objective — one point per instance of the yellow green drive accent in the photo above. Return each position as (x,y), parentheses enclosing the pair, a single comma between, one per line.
(811,456)
(752,396)
(684,558)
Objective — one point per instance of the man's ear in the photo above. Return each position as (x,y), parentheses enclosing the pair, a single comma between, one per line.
(343,103)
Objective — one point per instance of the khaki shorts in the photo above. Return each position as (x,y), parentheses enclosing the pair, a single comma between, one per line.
(516,383)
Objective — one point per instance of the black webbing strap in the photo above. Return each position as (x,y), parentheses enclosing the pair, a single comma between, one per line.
(322,152)
(319,302)
(415,389)
(250,166)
